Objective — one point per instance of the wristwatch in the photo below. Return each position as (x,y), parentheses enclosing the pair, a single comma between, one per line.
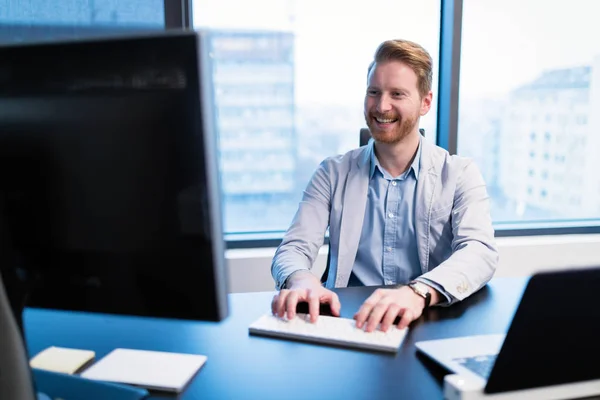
(422,290)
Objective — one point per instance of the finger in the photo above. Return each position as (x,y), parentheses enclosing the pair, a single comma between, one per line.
(377,315)
(365,310)
(280,305)
(389,317)
(291,303)
(406,319)
(363,313)
(335,304)
(274,304)
(313,305)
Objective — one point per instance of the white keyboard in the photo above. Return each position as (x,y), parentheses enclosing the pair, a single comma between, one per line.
(329,330)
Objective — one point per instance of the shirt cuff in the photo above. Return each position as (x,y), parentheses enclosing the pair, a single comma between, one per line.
(286,280)
(440,289)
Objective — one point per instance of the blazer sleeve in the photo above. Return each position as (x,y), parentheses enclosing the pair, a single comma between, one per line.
(474,255)
(302,241)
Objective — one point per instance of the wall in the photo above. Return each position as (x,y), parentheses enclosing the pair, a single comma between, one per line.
(250,269)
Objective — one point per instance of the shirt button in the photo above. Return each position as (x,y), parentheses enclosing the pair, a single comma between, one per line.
(391,215)
(388,282)
(394,183)
(388,249)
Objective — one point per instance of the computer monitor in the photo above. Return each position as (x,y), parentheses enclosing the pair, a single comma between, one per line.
(109,189)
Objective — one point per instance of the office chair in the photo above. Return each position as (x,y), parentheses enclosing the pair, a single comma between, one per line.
(363,139)
(365,135)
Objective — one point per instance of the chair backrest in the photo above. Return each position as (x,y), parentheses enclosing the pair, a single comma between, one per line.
(365,135)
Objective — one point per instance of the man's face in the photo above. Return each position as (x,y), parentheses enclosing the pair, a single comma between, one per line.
(393,104)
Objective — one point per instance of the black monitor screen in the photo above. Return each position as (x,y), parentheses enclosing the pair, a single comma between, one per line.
(109,191)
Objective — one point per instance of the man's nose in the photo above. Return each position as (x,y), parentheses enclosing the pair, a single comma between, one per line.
(383,104)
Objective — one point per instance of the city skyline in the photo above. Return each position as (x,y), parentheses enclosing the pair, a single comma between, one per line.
(535,169)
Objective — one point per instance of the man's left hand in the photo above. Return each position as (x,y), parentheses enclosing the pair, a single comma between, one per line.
(384,305)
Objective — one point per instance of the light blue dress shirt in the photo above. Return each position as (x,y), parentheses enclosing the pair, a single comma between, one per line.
(387,252)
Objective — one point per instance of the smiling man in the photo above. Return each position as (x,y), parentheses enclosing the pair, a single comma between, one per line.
(401,211)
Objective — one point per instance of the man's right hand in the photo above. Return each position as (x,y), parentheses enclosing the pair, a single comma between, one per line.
(304,286)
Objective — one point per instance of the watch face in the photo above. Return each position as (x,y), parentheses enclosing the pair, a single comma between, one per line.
(421,288)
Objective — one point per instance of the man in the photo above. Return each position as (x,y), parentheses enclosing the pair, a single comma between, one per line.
(400,211)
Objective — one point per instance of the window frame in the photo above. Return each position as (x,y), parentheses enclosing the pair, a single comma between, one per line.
(178,14)
(450,54)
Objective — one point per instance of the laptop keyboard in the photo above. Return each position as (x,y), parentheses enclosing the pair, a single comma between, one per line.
(481,365)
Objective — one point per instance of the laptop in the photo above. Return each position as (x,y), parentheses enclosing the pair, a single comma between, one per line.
(553,341)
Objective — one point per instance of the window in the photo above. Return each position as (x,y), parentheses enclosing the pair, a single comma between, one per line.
(548,69)
(290,78)
(41,20)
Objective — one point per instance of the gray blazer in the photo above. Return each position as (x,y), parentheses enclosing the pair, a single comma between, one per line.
(454,230)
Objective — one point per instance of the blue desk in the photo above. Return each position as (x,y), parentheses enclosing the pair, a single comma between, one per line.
(241,366)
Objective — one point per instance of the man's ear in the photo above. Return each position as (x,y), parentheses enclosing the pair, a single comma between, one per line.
(426,103)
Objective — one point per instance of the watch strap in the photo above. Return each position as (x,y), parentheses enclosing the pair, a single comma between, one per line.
(422,290)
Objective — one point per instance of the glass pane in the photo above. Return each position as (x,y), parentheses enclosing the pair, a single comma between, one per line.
(39,20)
(530,108)
(290,78)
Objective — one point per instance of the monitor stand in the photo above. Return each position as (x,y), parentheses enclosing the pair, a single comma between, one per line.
(17,379)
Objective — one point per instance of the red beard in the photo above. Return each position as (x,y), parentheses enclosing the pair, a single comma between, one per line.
(395,133)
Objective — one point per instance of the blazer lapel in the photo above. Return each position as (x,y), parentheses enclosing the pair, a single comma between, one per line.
(353,213)
(424,201)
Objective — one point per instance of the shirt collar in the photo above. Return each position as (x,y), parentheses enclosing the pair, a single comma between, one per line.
(415,166)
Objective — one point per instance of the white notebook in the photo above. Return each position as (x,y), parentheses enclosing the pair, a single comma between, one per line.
(153,370)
